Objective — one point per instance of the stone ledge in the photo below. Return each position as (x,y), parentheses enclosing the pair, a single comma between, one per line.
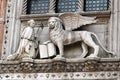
(46,16)
(62,76)
(57,65)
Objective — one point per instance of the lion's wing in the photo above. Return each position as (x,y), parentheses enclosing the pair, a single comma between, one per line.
(73,20)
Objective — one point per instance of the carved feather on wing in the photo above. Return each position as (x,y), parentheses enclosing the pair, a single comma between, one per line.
(73,20)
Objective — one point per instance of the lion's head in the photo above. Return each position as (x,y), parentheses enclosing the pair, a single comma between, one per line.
(54,22)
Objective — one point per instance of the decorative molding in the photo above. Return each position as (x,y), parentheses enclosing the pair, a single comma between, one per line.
(101,14)
(52,6)
(54,65)
(52,69)
(11,32)
(62,76)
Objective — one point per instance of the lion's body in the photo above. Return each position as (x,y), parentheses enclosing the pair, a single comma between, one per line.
(61,37)
(64,37)
(69,37)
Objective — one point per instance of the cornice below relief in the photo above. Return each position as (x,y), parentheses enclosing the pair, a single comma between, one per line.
(98,14)
(60,65)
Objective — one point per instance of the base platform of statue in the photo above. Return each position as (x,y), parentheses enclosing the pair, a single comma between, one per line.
(61,68)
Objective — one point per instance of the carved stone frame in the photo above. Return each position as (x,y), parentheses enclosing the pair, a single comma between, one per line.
(16,12)
(14,17)
(12,26)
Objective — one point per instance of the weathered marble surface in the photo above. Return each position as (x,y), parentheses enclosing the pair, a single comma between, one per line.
(59,65)
(52,69)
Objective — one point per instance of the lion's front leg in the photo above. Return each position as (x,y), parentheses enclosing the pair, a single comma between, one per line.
(61,48)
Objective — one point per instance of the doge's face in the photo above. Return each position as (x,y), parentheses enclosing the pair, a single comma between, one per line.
(52,23)
(32,24)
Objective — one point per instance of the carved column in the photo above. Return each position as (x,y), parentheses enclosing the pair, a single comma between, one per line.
(114,27)
(80,5)
(52,6)
(24,10)
(12,27)
(2,15)
(110,5)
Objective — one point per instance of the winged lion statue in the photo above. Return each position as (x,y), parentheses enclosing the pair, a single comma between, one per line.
(61,33)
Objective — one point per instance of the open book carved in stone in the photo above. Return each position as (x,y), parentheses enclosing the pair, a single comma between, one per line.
(71,21)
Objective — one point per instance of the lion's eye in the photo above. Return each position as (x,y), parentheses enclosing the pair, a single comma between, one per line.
(53,21)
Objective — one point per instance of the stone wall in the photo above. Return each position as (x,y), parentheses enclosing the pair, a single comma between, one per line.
(2,18)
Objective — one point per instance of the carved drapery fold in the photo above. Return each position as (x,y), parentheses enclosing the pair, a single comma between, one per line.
(52,6)
(80,5)
(24,11)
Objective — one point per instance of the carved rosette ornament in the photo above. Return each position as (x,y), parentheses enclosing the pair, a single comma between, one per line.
(80,5)
(24,7)
(6,29)
(59,66)
(52,6)
(91,65)
(26,67)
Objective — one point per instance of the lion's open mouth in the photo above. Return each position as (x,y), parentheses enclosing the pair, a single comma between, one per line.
(51,27)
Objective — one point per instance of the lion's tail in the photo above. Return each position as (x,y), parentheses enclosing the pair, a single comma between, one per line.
(99,42)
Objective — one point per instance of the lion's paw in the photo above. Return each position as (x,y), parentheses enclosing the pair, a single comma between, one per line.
(59,57)
(92,56)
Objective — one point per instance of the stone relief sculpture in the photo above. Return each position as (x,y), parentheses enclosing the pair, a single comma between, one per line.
(60,31)
(71,21)
(26,47)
